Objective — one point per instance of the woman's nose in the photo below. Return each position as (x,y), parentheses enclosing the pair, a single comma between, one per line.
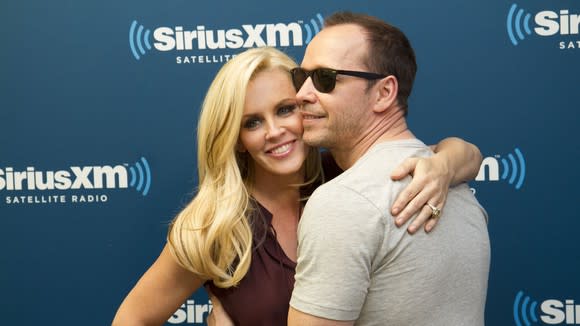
(274,130)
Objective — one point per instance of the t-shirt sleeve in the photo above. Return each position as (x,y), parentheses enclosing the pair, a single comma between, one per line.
(338,236)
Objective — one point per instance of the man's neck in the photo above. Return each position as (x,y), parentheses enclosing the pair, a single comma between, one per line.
(387,128)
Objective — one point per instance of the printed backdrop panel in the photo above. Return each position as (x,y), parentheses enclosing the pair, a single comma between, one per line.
(98,110)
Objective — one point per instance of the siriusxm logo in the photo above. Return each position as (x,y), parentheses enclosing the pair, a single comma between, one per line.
(553,312)
(191,313)
(137,176)
(547,23)
(513,169)
(179,38)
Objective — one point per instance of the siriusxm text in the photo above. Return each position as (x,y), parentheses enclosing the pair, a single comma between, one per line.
(552,23)
(76,177)
(178,38)
(191,313)
(558,312)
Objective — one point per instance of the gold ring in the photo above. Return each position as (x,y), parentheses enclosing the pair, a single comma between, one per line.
(435,212)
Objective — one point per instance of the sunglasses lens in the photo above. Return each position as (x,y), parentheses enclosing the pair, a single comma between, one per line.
(299,76)
(324,79)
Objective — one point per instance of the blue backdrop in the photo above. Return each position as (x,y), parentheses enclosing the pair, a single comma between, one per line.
(98,110)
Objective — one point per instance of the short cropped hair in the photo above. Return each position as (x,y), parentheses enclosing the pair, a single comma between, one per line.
(389,50)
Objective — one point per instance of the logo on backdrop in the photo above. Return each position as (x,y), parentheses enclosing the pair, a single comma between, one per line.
(191,313)
(551,311)
(562,24)
(76,184)
(513,169)
(201,44)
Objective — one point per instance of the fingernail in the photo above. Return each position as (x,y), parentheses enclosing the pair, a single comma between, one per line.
(399,221)
(395,210)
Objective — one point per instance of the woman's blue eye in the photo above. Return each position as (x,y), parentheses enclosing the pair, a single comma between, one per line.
(252,123)
(286,109)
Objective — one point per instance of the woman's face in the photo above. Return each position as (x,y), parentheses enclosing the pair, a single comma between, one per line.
(271,130)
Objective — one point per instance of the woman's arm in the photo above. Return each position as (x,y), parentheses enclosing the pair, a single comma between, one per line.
(463,158)
(455,161)
(158,294)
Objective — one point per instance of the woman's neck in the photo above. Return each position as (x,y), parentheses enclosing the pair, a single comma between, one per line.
(278,193)
(281,197)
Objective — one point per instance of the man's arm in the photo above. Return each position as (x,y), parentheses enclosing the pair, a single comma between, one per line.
(298,318)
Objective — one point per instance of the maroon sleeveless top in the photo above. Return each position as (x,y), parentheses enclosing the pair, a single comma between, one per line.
(263,296)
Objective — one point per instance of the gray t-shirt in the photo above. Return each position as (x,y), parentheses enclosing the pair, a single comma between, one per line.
(355,264)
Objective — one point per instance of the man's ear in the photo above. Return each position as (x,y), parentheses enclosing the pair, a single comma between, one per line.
(388,89)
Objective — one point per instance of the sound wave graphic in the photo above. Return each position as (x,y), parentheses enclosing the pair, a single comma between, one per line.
(518,24)
(522,311)
(517,168)
(140,38)
(316,27)
(141,176)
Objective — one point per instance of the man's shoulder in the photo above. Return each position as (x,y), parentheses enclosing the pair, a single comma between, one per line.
(335,201)
(367,184)
(334,211)
(335,191)
(376,165)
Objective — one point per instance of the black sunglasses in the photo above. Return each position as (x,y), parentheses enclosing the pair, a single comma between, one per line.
(324,79)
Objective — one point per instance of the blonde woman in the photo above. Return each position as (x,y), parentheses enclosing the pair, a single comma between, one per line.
(238,235)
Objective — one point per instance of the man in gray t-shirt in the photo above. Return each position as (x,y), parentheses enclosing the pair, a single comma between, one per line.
(354,265)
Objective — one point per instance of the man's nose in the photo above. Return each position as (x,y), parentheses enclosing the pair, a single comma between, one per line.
(306,93)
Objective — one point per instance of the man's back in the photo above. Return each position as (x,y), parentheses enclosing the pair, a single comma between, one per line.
(354,263)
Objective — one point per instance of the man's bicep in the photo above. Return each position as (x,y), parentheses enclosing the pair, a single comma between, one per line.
(299,318)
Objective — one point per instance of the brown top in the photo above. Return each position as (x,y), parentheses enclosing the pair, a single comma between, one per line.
(263,295)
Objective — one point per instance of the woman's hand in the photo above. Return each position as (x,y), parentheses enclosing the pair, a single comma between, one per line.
(218,316)
(430,184)
(455,161)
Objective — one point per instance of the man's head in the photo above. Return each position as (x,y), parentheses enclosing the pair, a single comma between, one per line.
(372,68)
(389,50)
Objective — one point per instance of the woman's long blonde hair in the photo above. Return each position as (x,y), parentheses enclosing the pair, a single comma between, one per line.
(212,235)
